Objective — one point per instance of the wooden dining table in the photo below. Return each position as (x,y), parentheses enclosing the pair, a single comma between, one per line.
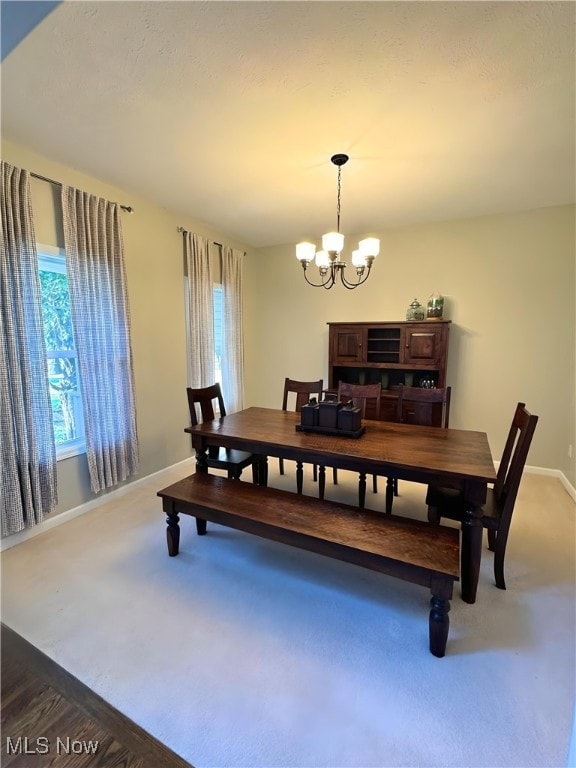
(454,458)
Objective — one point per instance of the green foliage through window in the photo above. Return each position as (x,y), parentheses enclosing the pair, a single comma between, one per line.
(63,371)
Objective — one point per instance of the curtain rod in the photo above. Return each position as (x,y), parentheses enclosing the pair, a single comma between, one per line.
(127,208)
(186,232)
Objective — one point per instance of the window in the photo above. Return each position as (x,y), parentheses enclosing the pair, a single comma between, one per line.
(63,372)
(218,311)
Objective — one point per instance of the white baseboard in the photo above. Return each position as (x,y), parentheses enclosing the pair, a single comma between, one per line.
(70,514)
(553,473)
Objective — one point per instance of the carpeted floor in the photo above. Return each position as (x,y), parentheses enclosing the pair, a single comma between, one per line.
(244,652)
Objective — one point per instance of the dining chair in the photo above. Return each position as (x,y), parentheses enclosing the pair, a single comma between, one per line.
(359,395)
(425,407)
(501,499)
(228,459)
(303,391)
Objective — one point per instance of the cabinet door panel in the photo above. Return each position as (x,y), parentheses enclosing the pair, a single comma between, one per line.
(423,346)
(348,345)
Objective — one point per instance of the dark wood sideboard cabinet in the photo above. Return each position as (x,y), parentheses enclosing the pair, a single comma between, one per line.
(393,353)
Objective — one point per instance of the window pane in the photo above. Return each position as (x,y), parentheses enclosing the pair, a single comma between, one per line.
(56,310)
(65,398)
(63,373)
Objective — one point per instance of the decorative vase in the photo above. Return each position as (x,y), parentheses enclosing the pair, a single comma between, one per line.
(435,307)
(415,311)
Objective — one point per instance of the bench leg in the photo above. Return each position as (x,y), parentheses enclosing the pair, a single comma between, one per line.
(173,534)
(439,621)
(200,526)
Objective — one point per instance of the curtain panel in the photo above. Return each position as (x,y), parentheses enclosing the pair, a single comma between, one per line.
(233,348)
(27,451)
(200,311)
(101,322)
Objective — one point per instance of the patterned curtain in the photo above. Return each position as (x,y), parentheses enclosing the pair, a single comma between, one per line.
(233,349)
(27,450)
(200,312)
(101,322)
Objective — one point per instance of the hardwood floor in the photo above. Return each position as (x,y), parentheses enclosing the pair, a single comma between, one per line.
(49,718)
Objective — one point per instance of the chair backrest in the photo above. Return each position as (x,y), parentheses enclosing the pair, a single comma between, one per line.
(420,406)
(304,390)
(204,397)
(514,458)
(360,394)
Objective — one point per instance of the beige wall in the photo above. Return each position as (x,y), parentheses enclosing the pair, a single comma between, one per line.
(154,267)
(509,283)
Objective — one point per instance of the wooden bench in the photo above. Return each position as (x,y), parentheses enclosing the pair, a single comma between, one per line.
(407,549)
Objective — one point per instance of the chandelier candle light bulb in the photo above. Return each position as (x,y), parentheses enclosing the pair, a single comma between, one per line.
(328,259)
(305,251)
(333,242)
(357,259)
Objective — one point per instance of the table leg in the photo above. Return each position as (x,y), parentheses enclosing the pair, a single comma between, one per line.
(202,460)
(263,471)
(299,476)
(362,490)
(389,494)
(321,482)
(471,553)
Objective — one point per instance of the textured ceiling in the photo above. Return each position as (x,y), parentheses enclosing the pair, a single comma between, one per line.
(229,111)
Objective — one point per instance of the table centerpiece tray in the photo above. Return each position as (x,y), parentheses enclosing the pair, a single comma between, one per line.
(355,433)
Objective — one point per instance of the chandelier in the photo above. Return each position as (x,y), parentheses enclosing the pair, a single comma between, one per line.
(328,259)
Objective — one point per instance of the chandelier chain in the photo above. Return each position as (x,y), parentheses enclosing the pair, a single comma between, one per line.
(328,261)
(338,201)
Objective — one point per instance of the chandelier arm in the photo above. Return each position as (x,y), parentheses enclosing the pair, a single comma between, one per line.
(331,280)
(325,283)
(350,285)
